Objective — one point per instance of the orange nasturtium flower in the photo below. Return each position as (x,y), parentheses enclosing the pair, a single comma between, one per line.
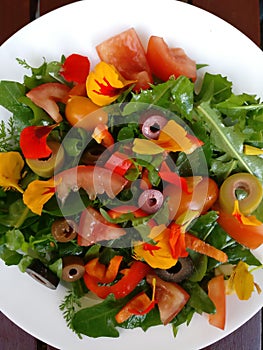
(11,165)
(173,137)
(157,252)
(105,84)
(38,193)
(245,220)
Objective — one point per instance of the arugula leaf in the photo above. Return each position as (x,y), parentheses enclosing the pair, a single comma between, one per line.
(229,140)
(99,320)
(199,299)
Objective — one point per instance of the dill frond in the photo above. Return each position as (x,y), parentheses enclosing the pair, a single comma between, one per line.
(68,307)
(9,135)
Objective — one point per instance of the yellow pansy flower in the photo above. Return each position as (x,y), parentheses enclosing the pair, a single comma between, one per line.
(11,165)
(157,252)
(105,84)
(241,281)
(38,193)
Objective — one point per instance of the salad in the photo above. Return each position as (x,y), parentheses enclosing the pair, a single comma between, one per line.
(126,182)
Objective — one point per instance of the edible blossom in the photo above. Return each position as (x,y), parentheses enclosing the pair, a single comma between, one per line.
(173,137)
(33,141)
(157,252)
(11,165)
(241,282)
(38,193)
(105,84)
(245,220)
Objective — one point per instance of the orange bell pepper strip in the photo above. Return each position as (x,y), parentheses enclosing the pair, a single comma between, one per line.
(103,136)
(141,304)
(103,273)
(216,292)
(202,247)
(137,271)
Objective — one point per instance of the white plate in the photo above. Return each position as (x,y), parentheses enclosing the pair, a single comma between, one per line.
(78,28)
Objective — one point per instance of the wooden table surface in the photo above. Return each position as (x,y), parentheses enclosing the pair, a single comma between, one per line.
(243,14)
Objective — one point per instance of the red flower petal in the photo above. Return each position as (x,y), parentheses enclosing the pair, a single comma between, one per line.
(76,68)
(33,141)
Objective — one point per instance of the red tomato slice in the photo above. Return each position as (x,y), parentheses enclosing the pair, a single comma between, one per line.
(248,235)
(126,53)
(171,298)
(94,228)
(165,62)
(47,95)
(93,179)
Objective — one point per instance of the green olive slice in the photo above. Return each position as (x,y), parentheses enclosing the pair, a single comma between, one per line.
(45,167)
(73,268)
(246,182)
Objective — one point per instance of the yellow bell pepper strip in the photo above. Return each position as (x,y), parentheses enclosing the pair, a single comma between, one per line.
(103,136)
(105,274)
(173,137)
(157,252)
(202,247)
(38,193)
(33,141)
(246,220)
(137,271)
(105,84)
(11,165)
(75,68)
(216,292)
(252,151)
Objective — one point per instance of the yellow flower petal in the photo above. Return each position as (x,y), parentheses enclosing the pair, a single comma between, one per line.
(242,281)
(11,165)
(161,258)
(105,84)
(142,146)
(252,151)
(38,193)
(246,220)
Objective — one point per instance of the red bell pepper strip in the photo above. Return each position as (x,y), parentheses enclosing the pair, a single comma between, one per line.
(33,141)
(170,176)
(76,68)
(141,304)
(123,287)
(202,247)
(119,163)
(103,273)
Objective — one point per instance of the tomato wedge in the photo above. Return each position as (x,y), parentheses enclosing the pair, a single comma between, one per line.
(165,62)
(93,179)
(126,53)
(216,292)
(47,95)
(247,235)
(171,298)
(94,228)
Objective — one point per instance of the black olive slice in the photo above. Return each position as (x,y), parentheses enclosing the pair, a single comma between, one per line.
(42,274)
(73,268)
(179,272)
(64,230)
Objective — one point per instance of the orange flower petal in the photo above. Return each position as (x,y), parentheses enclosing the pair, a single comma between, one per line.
(246,220)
